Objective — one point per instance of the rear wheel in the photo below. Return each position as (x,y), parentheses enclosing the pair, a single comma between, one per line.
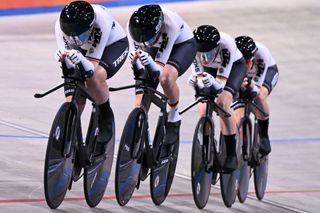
(202,162)
(129,155)
(59,155)
(162,172)
(260,171)
(96,176)
(228,181)
(260,174)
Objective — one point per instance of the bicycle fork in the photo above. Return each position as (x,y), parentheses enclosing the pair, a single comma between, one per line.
(71,130)
(208,145)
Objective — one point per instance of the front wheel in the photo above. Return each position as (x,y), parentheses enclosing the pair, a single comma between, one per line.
(244,171)
(59,155)
(96,175)
(202,162)
(129,155)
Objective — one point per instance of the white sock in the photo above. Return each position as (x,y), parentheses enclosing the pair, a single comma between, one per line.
(173,115)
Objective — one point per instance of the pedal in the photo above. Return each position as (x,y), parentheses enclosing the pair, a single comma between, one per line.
(143,173)
(77,174)
(214,178)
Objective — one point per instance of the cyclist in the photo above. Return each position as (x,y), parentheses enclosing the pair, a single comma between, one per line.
(222,66)
(159,40)
(262,67)
(88,35)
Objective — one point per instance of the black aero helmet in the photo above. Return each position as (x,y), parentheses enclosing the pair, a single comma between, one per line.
(246,45)
(145,23)
(76,18)
(208,37)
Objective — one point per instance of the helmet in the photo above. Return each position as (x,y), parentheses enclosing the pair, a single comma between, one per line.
(247,46)
(76,20)
(145,24)
(207,37)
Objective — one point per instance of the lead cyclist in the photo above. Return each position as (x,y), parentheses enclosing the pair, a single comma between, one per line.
(88,34)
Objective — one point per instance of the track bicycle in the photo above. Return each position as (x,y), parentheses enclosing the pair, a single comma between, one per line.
(252,160)
(208,155)
(67,154)
(139,156)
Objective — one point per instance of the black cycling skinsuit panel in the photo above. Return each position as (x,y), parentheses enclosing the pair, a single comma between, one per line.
(235,79)
(178,57)
(114,56)
(181,56)
(237,74)
(271,78)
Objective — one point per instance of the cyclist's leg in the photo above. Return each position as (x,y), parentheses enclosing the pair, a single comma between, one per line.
(108,66)
(171,90)
(228,124)
(177,64)
(269,83)
(228,129)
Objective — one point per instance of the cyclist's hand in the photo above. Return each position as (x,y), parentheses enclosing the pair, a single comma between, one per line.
(149,63)
(244,83)
(60,55)
(192,80)
(75,56)
(207,80)
(145,58)
(255,91)
(133,57)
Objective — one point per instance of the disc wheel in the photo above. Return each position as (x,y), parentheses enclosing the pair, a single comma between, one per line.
(202,162)
(162,172)
(130,149)
(228,181)
(96,175)
(59,156)
(245,169)
(260,170)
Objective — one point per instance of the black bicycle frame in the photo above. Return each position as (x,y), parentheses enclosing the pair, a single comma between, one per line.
(76,82)
(150,96)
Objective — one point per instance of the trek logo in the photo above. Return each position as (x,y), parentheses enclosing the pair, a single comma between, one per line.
(121,58)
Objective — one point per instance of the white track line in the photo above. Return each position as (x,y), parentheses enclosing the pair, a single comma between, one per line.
(269,202)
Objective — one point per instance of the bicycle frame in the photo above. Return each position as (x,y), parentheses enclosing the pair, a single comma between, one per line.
(76,82)
(211,106)
(150,96)
(249,107)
